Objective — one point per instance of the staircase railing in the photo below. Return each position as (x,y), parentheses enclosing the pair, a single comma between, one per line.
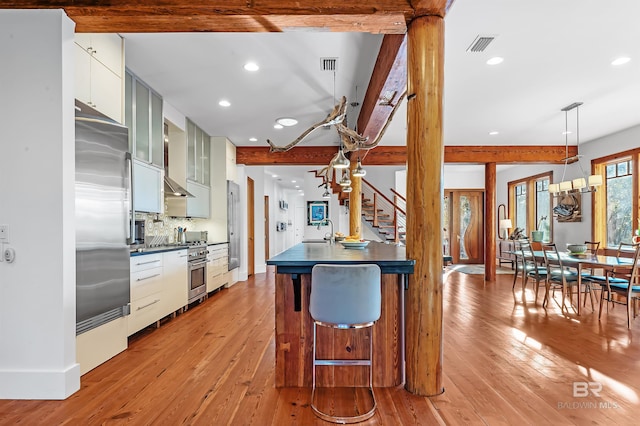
(383,213)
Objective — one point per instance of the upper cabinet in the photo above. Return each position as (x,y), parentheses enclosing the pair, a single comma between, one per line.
(148,190)
(143,117)
(99,69)
(198,154)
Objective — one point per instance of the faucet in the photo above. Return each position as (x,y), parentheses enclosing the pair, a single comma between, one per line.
(332,238)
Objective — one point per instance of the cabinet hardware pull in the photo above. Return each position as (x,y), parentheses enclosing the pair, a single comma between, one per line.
(146,263)
(146,278)
(147,305)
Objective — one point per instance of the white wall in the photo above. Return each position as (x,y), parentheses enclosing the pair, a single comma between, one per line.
(37,169)
(455,177)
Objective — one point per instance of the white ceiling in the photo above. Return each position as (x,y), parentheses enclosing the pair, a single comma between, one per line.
(555,53)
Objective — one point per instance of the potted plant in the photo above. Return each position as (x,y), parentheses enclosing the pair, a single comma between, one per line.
(537,235)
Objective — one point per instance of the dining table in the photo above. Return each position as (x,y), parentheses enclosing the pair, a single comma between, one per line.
(580,261)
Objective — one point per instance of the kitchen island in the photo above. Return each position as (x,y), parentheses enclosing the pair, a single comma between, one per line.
(294,326)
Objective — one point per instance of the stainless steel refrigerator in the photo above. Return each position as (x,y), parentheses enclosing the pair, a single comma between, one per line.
(103,210)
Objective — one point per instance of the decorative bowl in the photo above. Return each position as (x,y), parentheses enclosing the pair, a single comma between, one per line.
(358,245)
(577,248)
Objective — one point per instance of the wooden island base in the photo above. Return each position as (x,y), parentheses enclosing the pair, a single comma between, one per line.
(294,339)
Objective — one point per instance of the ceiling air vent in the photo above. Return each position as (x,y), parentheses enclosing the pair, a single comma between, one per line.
(328,64)
(480,43)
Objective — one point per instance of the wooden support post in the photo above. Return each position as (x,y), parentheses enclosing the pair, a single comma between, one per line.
(490,221)
(425,158)
(355,202)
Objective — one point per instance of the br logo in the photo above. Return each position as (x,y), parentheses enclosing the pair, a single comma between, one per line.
(583,389)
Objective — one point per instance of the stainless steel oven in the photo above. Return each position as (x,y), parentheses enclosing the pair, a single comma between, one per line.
(197,256)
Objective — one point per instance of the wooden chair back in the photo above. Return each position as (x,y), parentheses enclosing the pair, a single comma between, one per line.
(592,247)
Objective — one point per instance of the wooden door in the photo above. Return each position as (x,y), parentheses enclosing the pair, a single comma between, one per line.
(250,229)
(465,231)
(266,227)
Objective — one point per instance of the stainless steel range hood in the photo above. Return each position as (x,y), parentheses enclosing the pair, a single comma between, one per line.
(173,189)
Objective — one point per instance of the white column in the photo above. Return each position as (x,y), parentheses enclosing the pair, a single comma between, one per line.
(37,168)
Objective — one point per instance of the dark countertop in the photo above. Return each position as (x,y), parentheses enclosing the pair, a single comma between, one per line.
(160,249)
(300,258)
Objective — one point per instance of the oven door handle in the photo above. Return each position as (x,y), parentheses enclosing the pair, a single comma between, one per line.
(197,264)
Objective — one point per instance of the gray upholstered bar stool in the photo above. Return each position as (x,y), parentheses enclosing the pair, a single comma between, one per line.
(343,297)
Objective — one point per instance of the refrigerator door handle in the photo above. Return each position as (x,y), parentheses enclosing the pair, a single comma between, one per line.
(132,222)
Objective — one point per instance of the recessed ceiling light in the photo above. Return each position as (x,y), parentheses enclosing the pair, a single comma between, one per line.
(277,126)
(493,133)
(253,139)
(251,66)
(495,60)
(297,186)
(275,176)
(568,132)
(287,121)
(293,181)
(620,61)
(224,103)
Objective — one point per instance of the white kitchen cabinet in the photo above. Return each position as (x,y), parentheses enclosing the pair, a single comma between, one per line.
(144,118)
(230,161)
(146,291)
(175,281)
(148,188)
(217,266)
(98,73)
(107,48)
(198,206)
(198,154)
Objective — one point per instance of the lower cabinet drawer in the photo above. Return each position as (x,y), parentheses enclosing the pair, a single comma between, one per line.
(146,282)
(144,311)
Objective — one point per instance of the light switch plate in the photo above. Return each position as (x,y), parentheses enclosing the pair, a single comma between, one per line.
(4,233)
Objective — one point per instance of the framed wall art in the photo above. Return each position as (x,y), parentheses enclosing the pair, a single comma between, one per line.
(317,212)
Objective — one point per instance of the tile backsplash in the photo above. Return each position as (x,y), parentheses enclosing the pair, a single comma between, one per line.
(161,229)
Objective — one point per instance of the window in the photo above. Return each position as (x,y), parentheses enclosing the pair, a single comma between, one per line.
(521,206)
(619,202)
(530,204)
(543,208)
(615,217)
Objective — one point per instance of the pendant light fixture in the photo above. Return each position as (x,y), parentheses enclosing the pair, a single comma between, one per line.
(345,179)
(582,184)
(340,161)
(359,171)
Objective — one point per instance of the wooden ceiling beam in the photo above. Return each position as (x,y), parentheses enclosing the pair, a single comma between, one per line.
(379,16)
(397,155)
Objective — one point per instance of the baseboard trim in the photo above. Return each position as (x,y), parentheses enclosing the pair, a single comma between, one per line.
(40,384)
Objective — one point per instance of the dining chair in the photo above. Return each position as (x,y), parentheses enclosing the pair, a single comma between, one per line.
(589,284)
(518,262)
(624,250)
(624,284)
(558,276)
(592,247)
(531,269)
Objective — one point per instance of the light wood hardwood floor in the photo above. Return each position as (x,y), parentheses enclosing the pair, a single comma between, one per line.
(506,362)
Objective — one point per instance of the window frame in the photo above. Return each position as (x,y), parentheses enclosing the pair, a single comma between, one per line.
(530,182)
(599,197)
